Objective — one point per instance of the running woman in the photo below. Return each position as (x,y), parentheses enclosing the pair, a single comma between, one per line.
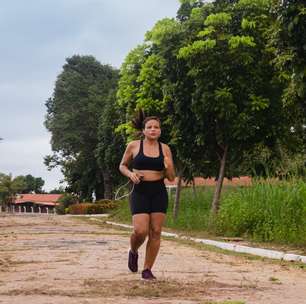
(151,162)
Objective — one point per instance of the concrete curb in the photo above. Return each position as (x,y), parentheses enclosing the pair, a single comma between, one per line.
(271,254)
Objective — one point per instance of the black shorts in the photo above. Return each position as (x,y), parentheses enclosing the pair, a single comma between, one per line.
(149,197)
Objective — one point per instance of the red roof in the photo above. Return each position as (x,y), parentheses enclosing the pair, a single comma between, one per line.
(42,199)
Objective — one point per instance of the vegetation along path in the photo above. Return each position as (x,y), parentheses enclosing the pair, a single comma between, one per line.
(60,259)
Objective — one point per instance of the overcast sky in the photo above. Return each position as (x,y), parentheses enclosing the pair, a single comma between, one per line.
(36,38)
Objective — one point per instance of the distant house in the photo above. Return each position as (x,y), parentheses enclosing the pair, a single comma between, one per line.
(42,203)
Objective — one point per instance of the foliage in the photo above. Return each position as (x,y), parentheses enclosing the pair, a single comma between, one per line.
(272,211)
(198,73)
(9,187)
(65,201)
(81,92)
(288,43)
(110,146)
(92,208)
(33,184)
(277,161)
(264,211)
(59,190)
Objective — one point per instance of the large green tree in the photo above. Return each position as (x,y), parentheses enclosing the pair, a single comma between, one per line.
(81,92)
(208,74)
(235,96)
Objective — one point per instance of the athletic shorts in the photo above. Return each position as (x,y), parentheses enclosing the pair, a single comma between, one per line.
(149,197)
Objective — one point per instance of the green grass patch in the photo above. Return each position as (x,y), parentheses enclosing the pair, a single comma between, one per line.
(264,212)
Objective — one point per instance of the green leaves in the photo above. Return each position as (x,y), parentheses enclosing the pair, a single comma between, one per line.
(248,24)
(206,32)
(259,103)
(82,91)
(254,4)
(238,41)
(218,20)
(162,30)
(198,46)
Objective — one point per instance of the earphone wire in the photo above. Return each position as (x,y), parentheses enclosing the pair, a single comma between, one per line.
(121,197)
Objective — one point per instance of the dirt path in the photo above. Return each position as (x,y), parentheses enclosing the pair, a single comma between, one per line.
(57,259)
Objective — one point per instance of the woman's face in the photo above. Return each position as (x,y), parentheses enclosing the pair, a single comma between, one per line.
(152,129)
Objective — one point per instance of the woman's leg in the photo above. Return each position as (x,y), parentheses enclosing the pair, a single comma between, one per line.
(141,229)
(157,220)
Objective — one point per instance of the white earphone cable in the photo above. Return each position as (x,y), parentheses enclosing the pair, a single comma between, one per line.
(121,197)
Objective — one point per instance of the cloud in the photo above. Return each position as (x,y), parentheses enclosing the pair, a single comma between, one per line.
(24,157)
(36,38)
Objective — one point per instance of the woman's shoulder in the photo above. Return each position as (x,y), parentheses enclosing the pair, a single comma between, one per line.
(134,143)
(165,147)
(163,144)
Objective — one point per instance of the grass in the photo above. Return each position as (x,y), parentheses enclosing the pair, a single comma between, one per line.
(267,212)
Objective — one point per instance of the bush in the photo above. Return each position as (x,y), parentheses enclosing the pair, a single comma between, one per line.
(64,202)
(98,207)
(79,208)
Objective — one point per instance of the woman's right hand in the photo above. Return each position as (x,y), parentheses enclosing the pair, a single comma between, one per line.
(134,177)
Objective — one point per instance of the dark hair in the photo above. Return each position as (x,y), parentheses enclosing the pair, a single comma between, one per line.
(139,122)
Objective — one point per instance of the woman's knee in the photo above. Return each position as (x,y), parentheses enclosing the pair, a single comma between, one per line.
(155,233)
(140,233)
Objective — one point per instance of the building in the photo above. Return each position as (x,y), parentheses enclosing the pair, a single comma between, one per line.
(35,203)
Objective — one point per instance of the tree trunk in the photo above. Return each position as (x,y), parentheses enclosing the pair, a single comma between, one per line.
(99,186)
(216,199)
(108,185)
(194,191)
(177,197)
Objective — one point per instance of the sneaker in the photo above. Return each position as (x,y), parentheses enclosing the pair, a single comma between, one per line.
(147,275)
(133,261)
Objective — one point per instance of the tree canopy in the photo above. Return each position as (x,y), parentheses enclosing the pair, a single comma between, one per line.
(81,92)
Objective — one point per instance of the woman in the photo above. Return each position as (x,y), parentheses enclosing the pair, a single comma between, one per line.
(151,163)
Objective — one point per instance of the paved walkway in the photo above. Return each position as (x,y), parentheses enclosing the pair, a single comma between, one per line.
(64,260)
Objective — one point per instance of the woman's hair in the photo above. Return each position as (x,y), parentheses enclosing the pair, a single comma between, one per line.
(150,118)
(139,122)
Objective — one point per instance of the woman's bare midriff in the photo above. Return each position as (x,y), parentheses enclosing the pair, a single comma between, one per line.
(150,175)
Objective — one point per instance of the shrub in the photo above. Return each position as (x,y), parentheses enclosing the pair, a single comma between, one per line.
(65,201)
(98,207)
(79,208)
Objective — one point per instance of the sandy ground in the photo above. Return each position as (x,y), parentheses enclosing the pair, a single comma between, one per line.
(65,260)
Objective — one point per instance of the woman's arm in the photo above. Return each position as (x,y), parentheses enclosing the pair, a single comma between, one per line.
(169,166)
(126,159)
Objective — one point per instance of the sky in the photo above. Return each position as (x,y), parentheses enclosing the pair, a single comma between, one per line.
(36,38)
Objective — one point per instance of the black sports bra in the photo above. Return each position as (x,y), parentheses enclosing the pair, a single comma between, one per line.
(143,162)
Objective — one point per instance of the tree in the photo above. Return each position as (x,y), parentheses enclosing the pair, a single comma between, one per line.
(9,187)
(152,79)
(59,190)
(235,97)
(110,147)
(73,113)
(288,41)
(33,184)
(199,74)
